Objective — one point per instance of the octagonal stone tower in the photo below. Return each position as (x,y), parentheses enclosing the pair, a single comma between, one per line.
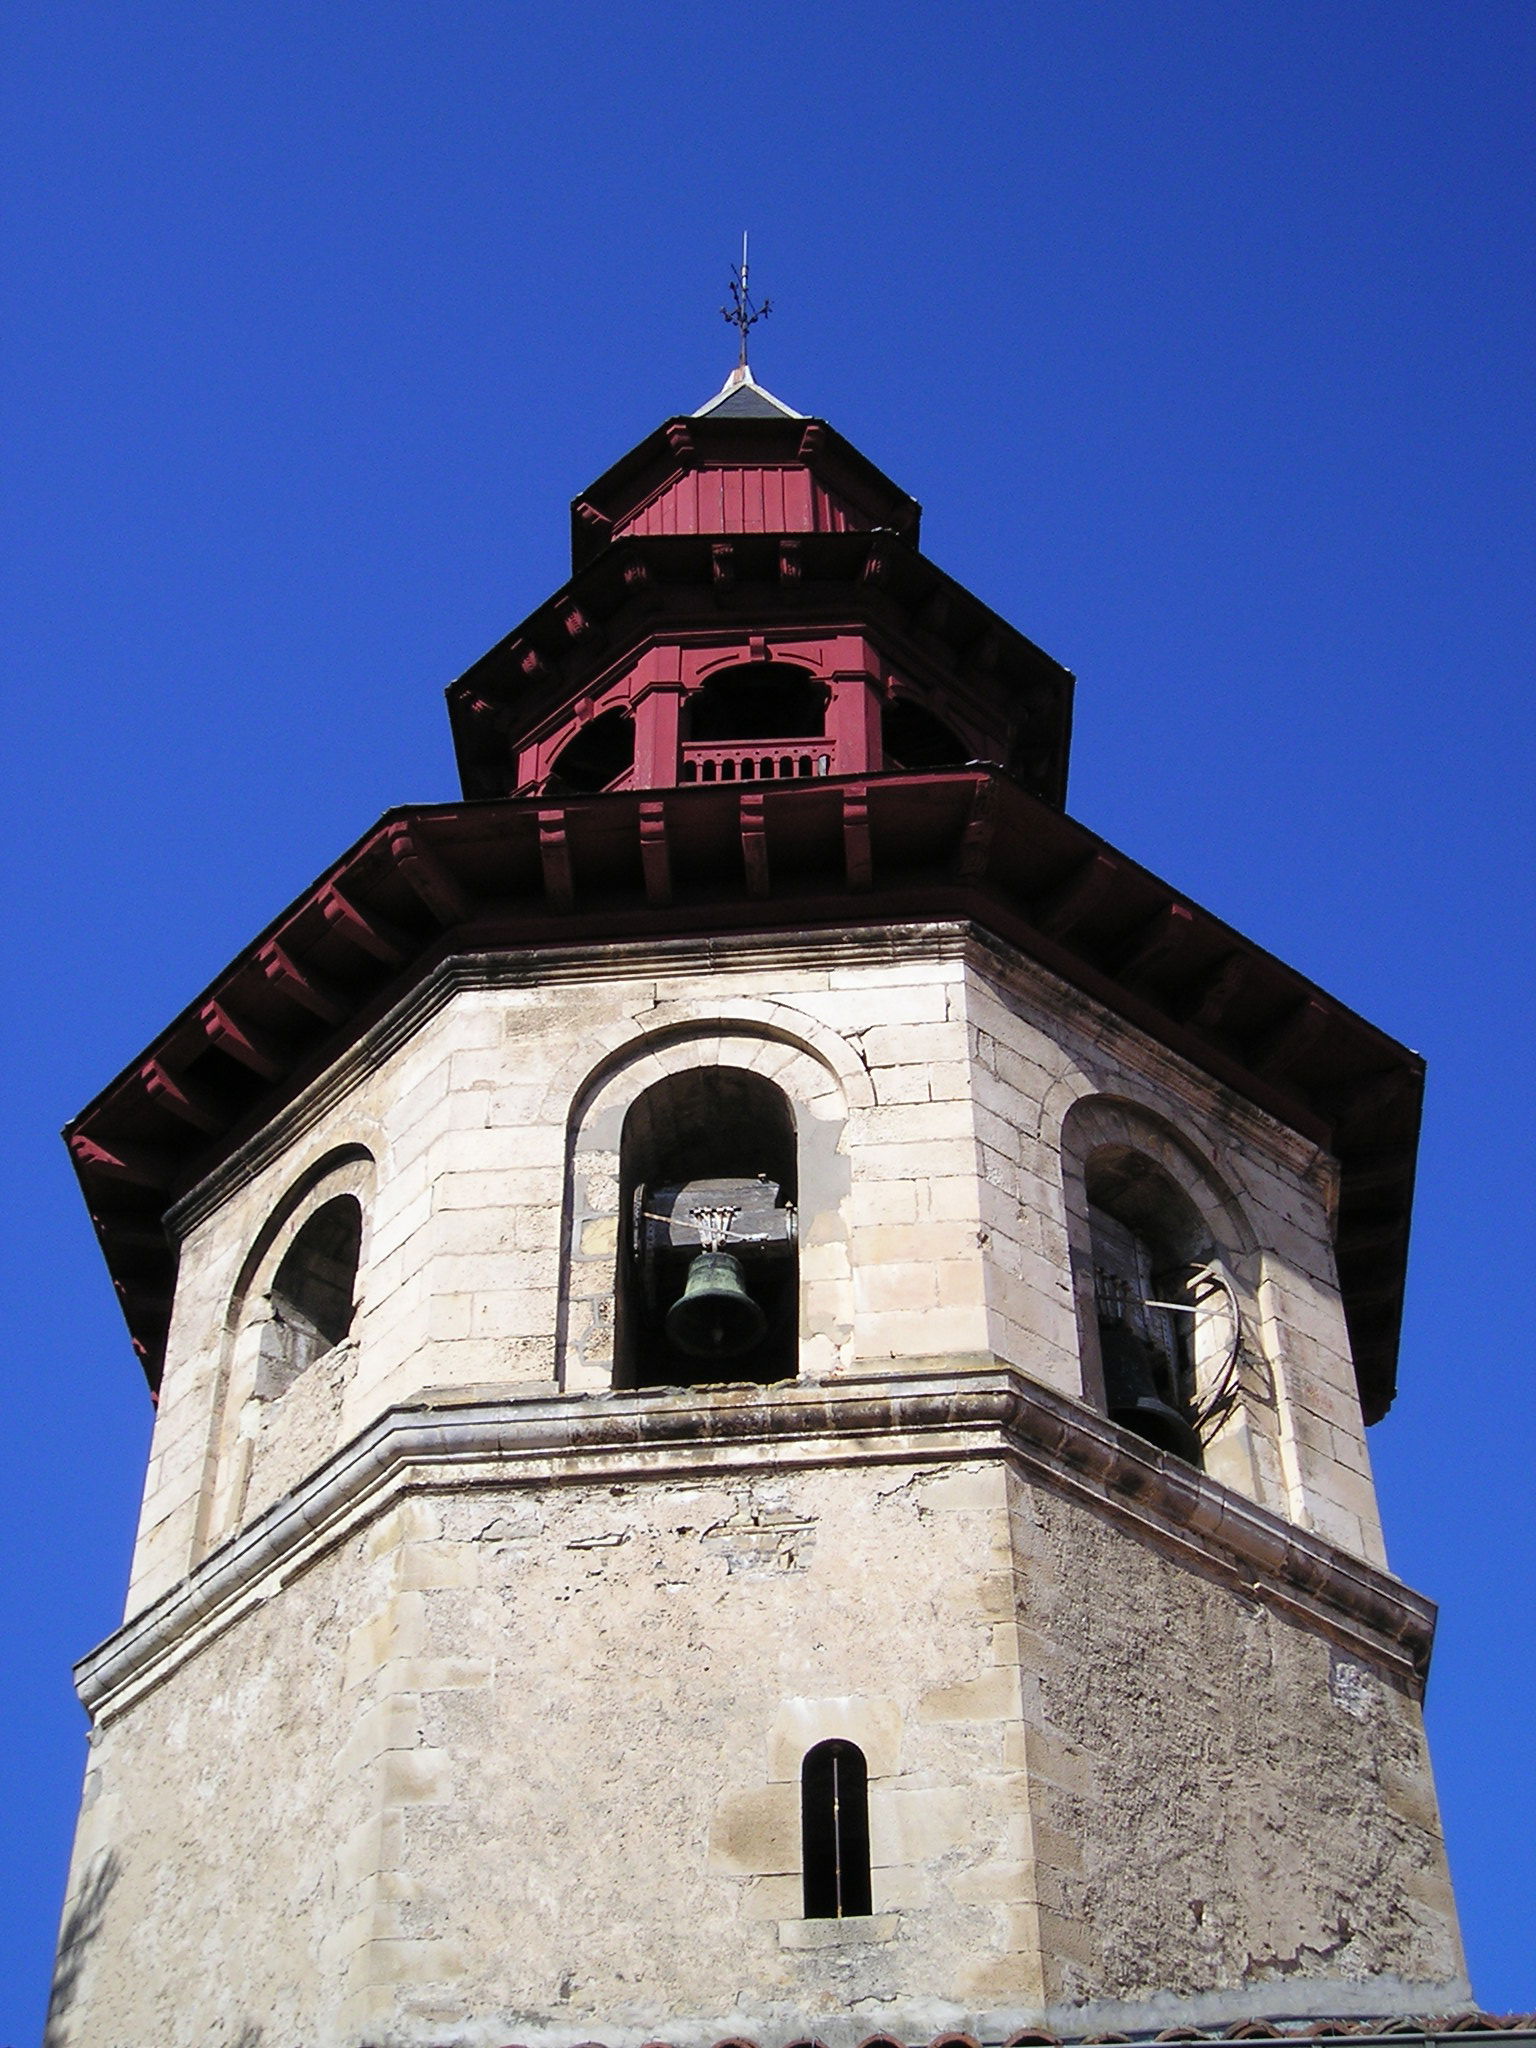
(962,1604)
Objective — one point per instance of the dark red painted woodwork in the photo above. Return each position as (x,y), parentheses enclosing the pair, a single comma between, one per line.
(857,853)
(306,988)
(754,847)
(711,476)
(188,1103)
(428,877)
(655,861)
(718,541)
(374,934)
(1158,938)
(748,498)
(1065,907)
(242,1041)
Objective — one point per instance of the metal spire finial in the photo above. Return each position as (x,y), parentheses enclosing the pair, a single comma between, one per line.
(741,312)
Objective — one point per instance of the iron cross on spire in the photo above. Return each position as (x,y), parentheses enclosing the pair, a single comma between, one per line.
(741,312)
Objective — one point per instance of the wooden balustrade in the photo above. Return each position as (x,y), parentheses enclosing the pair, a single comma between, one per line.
(757,760)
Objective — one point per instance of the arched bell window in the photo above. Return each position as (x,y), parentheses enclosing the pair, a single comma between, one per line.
(312,1295)
(834,1831)
(1148,1246)
(707,1275)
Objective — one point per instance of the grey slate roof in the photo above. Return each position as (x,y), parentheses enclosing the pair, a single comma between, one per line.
(741,397)
(748,402)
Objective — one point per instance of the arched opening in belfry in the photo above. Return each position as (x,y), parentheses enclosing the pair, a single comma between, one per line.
(834,1832)
(757,700)
(1149,1246)
(602,751)
(912,737)
(313,1295)
(707,1281)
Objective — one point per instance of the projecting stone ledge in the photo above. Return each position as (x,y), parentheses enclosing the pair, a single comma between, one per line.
(485,1437)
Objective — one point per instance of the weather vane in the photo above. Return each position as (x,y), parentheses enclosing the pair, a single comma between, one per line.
(741,312)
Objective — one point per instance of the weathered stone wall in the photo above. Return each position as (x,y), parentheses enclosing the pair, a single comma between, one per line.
(521,1762)
(1230,1811)
(205,1893)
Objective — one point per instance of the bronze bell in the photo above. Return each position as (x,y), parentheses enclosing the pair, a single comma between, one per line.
(714,1316)
(1133,1398)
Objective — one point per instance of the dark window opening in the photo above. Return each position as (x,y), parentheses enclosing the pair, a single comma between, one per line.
(913,738)
(312,1296)
(699,1300)
(834,1831)
(1147,1243)
(600,753)
(757,701)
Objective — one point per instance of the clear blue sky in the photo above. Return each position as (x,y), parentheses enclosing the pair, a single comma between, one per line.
(1203,332)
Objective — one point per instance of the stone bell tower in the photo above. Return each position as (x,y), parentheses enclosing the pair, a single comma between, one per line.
(762,1348)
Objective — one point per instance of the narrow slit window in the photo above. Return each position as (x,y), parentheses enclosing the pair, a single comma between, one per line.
(834,1831)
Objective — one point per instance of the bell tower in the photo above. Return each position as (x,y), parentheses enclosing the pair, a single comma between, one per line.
(762,1349)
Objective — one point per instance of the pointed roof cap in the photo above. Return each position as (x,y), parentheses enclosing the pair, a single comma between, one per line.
(741,397)
(669,484)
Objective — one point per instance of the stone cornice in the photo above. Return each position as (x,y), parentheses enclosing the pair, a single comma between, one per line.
(894,1418)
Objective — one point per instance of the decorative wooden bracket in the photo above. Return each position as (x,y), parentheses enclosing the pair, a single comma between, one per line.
(130,1163)
(1064,910)
(655,858)
(308,989)
(1217,993)
(242,1043)
(180,1097)
(1158,940)
(975,848)
(555,855)
(754,844)
(1292,1040)
(857,855)
(428,876)
(372,933)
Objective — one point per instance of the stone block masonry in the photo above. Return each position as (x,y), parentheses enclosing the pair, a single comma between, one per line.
(559,1675)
